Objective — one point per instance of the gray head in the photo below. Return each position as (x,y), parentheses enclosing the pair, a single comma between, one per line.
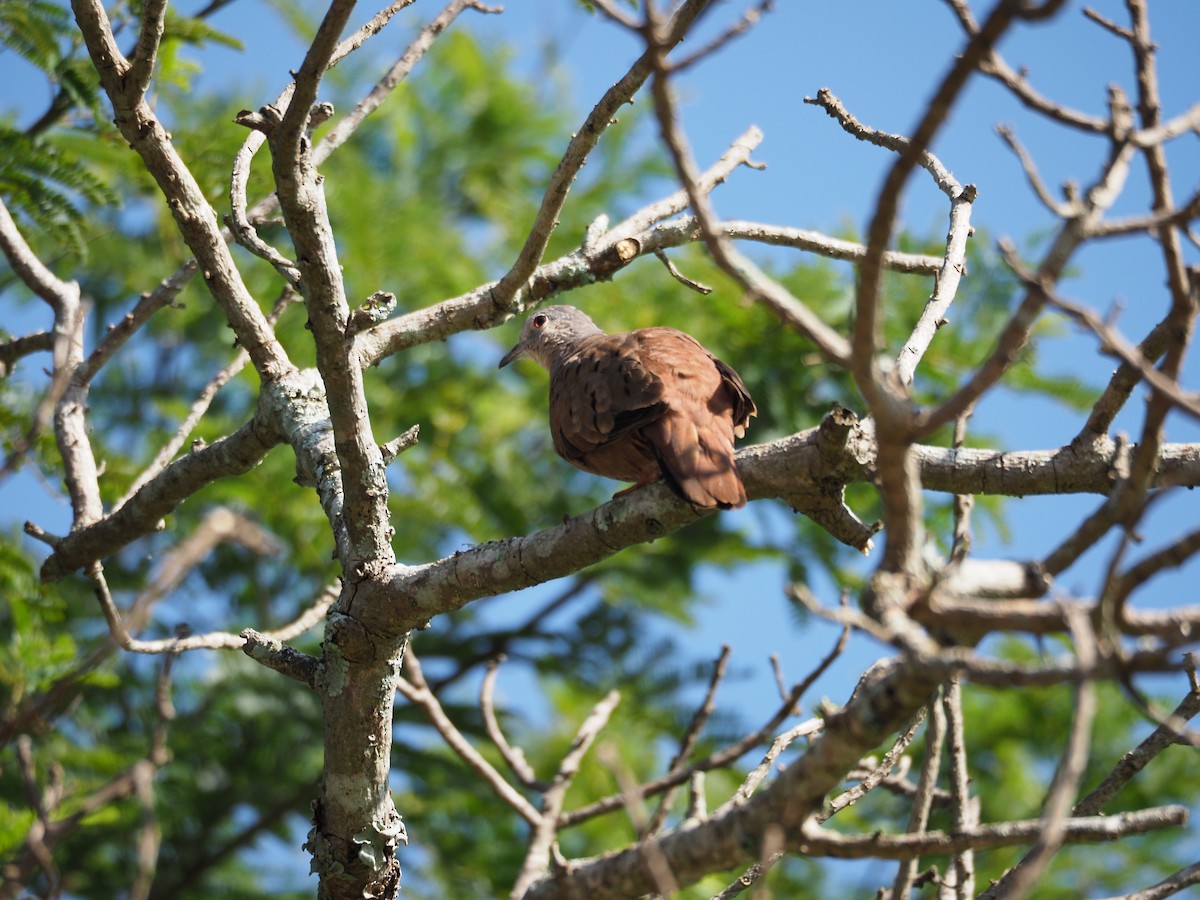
(550,334)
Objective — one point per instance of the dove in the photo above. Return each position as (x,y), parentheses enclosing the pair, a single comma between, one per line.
(640,405)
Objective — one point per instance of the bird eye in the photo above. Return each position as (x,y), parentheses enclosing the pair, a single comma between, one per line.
(539,320)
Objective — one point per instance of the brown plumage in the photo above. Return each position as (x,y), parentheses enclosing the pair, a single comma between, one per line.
(640,405)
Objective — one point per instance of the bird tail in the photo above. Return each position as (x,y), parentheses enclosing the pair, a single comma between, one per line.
(698,463)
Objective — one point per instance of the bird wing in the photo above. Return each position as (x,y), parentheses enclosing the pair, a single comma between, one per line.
(600,394)
(694,439)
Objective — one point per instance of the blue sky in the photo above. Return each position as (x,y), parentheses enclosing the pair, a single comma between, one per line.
(883,59)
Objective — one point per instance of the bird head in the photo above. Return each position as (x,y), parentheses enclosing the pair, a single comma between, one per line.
(550,334)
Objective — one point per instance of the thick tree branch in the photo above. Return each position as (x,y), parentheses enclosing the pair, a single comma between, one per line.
(195,218)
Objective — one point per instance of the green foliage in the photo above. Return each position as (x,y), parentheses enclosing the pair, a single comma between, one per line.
(35,30)
(47,184)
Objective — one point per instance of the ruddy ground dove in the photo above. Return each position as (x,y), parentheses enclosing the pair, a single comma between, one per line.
(640,405)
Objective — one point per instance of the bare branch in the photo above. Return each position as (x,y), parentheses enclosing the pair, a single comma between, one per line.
(193,215)
(233,454)
(945,287)
(1137,759)
(1113,342)
(413,54)
(994,66)
(537,857)
(513,756)
(416,691)
(1093,829)
(690,735)
(1171,556)
(679,276)
(836,110)
(777,298)
(1063,211)
(1168,887)
(26,265)
(727,755)
(283,659)
(198,409)
(141,67)
(965,807)
(20,347)
(749,19)
(737,155)
(1018,881)
(1015,334)
(149,303)
(665,883)
(890,759)
(504,295)
(918,819)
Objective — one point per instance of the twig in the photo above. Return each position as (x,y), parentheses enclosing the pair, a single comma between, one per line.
(818,841)
(194,216)
(899,494)
(724,757)
(118,333)
(1171,556)
(617,14)
(413,54)
(1018,881)
(690,735)
(1063,211)
(1168,887)
(749,19)
(498,645)
(836,110)
(965,808)
(879,773)
(679,276)
(780,681)
(778,299)
(1122,383)
(994,66)
(1151,222)
(470,310)
(660,870)
(1120,506)
(28,267)
(738,154)
(963,503)
(541,841)
(504,295)
(416,690)
(215,640)
(945,287)
(1108,24)
(201,405)
(146,51)
(64,299)
(918,819)
(1183,735)
(1113,342)
(513,756)
(756,775)
(1138,758)
(149,832)
(238,223)
(19,347)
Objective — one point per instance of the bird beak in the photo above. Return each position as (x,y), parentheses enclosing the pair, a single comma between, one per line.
(515,353)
